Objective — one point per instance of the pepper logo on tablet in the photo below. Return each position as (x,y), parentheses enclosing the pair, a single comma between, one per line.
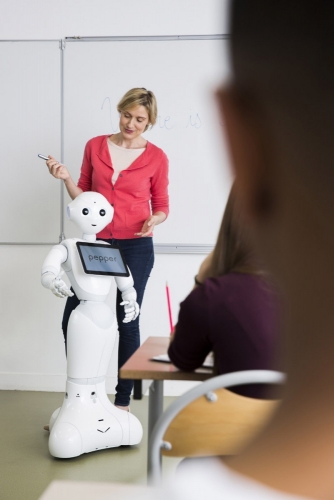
(101,259)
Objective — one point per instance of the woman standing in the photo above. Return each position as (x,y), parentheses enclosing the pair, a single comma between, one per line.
(132,174)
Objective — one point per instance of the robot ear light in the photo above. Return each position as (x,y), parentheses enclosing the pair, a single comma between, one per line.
(68,212)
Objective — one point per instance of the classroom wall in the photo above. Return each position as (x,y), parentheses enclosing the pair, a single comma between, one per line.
(31,346)
(46,19)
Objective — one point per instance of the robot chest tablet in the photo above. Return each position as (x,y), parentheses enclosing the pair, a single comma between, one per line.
(102,260)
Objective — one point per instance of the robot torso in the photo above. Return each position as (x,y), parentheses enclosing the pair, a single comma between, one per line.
(86,286)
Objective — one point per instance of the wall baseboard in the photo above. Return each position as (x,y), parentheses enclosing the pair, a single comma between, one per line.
(51,382)
(55,382)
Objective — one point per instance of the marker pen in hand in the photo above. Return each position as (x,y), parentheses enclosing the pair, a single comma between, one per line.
(47,158)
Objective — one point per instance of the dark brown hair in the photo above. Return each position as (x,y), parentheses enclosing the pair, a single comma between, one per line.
(233,250)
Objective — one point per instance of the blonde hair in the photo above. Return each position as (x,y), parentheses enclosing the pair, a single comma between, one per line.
(140,97)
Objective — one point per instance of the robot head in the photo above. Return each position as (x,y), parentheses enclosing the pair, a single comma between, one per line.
(90,211)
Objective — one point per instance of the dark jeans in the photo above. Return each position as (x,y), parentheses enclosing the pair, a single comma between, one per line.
(139,256)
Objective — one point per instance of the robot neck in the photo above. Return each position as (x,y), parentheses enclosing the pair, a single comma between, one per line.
(89,237)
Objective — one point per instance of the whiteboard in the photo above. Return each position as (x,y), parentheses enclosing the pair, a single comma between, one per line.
(30,117)
(183,75)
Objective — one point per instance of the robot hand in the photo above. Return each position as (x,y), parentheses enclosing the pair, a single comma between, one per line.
(57,286)
(131,309)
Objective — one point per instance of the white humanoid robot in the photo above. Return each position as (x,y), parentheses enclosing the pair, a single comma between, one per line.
(87,421)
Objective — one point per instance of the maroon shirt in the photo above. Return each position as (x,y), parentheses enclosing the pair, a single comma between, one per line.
(236,317)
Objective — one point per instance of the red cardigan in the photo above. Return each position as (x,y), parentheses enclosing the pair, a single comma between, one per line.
(138,191)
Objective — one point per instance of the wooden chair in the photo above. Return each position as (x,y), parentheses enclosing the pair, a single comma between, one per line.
(211,420)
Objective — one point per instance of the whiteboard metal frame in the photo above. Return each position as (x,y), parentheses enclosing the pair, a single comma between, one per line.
(161,248)
(30,40)
(152,38)
(182,248)
(62,47)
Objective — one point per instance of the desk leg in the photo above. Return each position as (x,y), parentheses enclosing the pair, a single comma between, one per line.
(155,408)
(155,403)
(137,389)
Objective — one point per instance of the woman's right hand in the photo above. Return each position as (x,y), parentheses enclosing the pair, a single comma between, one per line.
(58,170)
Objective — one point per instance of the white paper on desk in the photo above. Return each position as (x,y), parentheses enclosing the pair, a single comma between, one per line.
(164,358)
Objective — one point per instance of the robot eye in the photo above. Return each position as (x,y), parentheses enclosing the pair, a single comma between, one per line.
(85,211)
(102,212)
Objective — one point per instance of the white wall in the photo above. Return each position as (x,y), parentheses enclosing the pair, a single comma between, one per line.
(47,19)
(31,346)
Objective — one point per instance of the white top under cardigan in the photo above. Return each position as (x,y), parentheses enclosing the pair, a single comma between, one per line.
(122,158)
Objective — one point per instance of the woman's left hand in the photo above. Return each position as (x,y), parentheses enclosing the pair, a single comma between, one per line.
(148,226)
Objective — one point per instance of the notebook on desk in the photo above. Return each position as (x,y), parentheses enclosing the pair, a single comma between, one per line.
(164,358)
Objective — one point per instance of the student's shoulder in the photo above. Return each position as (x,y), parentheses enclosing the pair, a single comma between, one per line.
(221,283)
(228,287)
(237,280)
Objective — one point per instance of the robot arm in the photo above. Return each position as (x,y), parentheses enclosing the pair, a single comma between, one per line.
(129,296)
(51,272)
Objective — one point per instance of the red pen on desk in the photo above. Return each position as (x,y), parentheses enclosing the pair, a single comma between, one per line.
(169,310)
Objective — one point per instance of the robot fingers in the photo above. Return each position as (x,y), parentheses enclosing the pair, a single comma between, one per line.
(131,309)
(136,310)
(67,292)
(128,310)
(60,289)
(63,288)
(58,293)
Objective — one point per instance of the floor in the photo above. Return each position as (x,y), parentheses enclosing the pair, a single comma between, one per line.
(26,467)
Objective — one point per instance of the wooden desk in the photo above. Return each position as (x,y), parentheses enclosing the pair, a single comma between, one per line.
(140,367)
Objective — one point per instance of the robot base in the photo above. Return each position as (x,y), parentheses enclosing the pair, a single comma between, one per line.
(88,421)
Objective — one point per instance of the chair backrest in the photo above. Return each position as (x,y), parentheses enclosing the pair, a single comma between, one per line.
(219,425)
(210,420)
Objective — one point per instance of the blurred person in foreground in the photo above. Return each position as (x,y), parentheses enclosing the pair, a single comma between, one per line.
(278,112)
